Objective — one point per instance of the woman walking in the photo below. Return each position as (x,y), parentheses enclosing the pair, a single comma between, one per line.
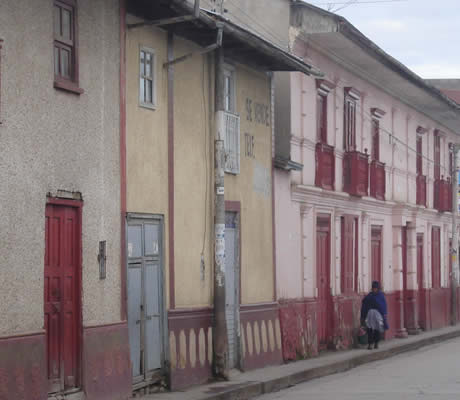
(374,315)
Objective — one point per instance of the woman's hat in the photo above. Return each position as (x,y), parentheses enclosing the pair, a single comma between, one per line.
(375,285)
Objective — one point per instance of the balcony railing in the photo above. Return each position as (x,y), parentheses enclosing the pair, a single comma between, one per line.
(356,173)
(421,190)
(377,180)
(325,166)
(442,193)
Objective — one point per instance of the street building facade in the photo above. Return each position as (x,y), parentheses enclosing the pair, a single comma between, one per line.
(363,189)
(177,168)
(170,132)
(61,330)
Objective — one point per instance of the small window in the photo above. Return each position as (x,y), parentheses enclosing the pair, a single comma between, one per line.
(229,90)
(147,71)
(65,43)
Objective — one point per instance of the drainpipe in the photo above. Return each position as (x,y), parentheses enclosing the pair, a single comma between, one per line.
(454,249)
(220,338)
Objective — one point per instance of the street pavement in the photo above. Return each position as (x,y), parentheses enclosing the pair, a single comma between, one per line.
(432,372)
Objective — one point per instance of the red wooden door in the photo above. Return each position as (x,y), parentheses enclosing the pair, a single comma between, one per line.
(408,318)
(449,281)
(421,296)
(61,287)
(349,265)
(436,257)
(323,270)
(376,254)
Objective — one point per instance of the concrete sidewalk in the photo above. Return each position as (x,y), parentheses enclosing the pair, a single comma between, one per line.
(271,379)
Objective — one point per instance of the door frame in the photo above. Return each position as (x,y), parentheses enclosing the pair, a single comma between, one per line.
(78,205)
(235,207)
(377,230)
(324,220)
(146,217)
(421,311)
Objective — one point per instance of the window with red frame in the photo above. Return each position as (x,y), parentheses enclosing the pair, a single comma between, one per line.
(437,156)
(349,266)
(65,42)
(349,130)
(321,108)
(419,155)
(375,140)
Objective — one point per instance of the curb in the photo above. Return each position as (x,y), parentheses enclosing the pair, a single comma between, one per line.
(253,389)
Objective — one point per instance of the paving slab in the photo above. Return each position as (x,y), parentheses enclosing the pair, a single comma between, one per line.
(247,385)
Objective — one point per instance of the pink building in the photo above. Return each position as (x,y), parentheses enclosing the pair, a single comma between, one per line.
(362,188)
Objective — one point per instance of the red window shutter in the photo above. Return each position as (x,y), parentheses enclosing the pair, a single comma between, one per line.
(375,139)
(319,117)
(419,156)
(437,156)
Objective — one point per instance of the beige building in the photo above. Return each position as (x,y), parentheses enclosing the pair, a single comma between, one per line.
(170,134)
(59,131)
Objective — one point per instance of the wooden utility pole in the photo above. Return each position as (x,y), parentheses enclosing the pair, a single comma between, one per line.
(220,338)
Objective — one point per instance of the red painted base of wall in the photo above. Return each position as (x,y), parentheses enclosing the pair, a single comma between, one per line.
(22,368)
(394,314)
(106,362)
(406,314)
(298,329)
(190,341)
(299,326)
(261,327)
(346,321)
(439,307)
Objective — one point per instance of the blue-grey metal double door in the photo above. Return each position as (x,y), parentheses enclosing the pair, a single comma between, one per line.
(146,317)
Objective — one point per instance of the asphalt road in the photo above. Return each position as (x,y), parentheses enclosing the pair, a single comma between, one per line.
(430,373)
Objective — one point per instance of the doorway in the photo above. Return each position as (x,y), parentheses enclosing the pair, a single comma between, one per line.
(323,276)
(376,254)
(232,286)
(62,303)
(420,277)
(146,316)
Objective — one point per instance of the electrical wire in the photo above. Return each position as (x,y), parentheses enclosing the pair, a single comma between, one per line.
(367,116)
(359,106)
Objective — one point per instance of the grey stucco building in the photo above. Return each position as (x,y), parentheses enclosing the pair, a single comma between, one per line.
(62,326)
